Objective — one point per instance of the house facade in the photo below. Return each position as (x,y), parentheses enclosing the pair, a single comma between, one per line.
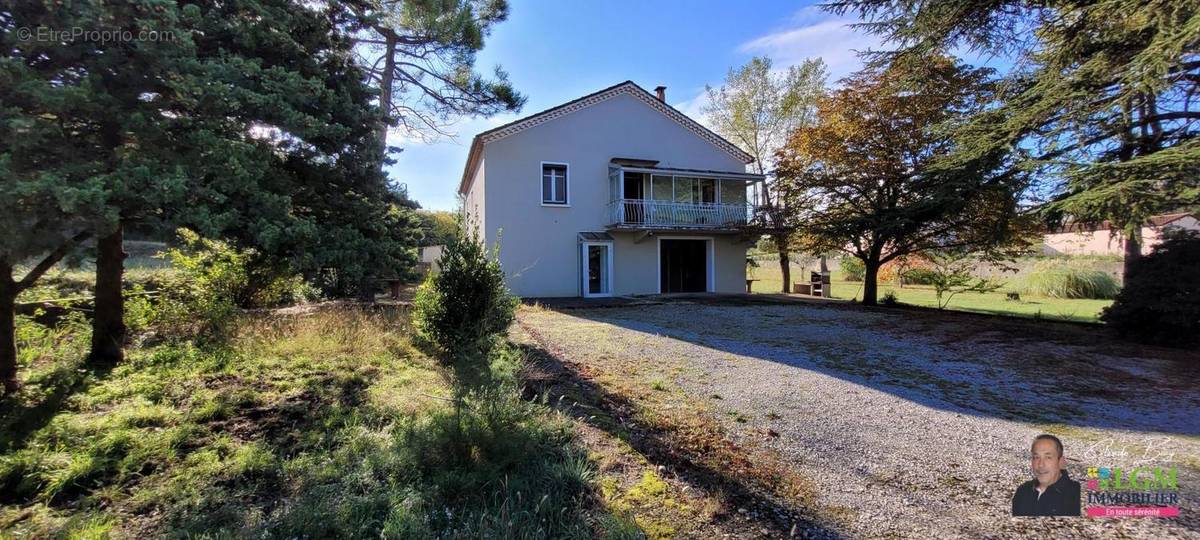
(615,193)
(1076,239)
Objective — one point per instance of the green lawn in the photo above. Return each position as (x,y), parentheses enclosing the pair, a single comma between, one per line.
(995,302)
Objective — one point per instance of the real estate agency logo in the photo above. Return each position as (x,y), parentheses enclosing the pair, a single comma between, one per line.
(1132,492)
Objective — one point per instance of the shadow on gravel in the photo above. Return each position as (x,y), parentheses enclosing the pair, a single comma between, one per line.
(565,388)
(980,365)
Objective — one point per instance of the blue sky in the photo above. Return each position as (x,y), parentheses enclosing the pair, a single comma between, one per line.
(556,51)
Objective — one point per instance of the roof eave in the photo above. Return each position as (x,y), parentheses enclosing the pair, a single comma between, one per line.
(468,177)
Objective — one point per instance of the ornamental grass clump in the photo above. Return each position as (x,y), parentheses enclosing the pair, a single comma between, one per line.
(1063,279)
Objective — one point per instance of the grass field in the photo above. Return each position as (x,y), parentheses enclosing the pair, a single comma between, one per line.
(1083,310)
(320,425)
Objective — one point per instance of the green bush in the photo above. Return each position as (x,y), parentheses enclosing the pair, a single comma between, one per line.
(1064,279)
(214,279)
(1160,302)
(461,312)
(920,276)
(852,269)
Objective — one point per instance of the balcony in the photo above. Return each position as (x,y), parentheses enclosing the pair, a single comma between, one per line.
(650,214)
(644,196)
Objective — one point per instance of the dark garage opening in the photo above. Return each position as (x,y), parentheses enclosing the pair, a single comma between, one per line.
(683,265)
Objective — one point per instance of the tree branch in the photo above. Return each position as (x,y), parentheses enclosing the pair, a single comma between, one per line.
(50,260)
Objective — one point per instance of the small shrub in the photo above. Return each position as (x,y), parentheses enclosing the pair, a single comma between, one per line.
(852,269)
(1063,279)
(461,312)
(949,272)
(1160,302)
(889,299)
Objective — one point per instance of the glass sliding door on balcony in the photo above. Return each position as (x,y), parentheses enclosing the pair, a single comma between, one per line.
(635,190)
(704,191)
(662,190)
(683,189)
(733,192)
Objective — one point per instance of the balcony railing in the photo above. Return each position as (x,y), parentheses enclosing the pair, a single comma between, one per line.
(643,213)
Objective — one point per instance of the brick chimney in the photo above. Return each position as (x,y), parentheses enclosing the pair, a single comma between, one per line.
(662,93)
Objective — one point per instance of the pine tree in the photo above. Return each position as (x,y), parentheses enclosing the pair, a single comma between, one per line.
(244,120)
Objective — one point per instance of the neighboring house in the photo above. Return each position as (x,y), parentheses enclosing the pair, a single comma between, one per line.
(614,193)
(1076,239)
(428,257)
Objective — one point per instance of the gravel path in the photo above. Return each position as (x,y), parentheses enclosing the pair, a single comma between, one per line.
(918,426)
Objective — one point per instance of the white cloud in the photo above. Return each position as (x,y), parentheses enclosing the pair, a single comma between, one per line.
(813,34)
(694,107)
(809,33)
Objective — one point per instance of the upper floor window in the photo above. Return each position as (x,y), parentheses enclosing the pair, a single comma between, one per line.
(554,184)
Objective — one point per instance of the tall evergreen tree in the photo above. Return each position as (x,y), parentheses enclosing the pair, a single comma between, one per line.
(420,58)
(1106,92)
(218,124)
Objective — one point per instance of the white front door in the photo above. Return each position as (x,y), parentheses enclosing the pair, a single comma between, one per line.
(597,268)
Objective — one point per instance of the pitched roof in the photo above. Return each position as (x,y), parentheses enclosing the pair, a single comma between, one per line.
(1159,221)
(627,87)
(1155,221)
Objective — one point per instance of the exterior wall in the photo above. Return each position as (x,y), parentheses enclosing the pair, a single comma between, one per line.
(636,265)
(474,210)
(539,247)
(429,255)
(1103,243)
(730,265)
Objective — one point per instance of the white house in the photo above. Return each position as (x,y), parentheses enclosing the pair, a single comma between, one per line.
(614,193)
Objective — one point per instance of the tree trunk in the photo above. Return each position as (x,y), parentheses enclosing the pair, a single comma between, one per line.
(108,324)
(8,338)
(1133,253)
(366,289)
(785,263)
(870,282)
(386,80)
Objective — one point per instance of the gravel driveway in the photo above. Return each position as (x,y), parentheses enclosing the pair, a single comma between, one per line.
(915,424)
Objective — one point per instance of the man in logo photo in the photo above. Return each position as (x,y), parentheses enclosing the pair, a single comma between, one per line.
(1051,492)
